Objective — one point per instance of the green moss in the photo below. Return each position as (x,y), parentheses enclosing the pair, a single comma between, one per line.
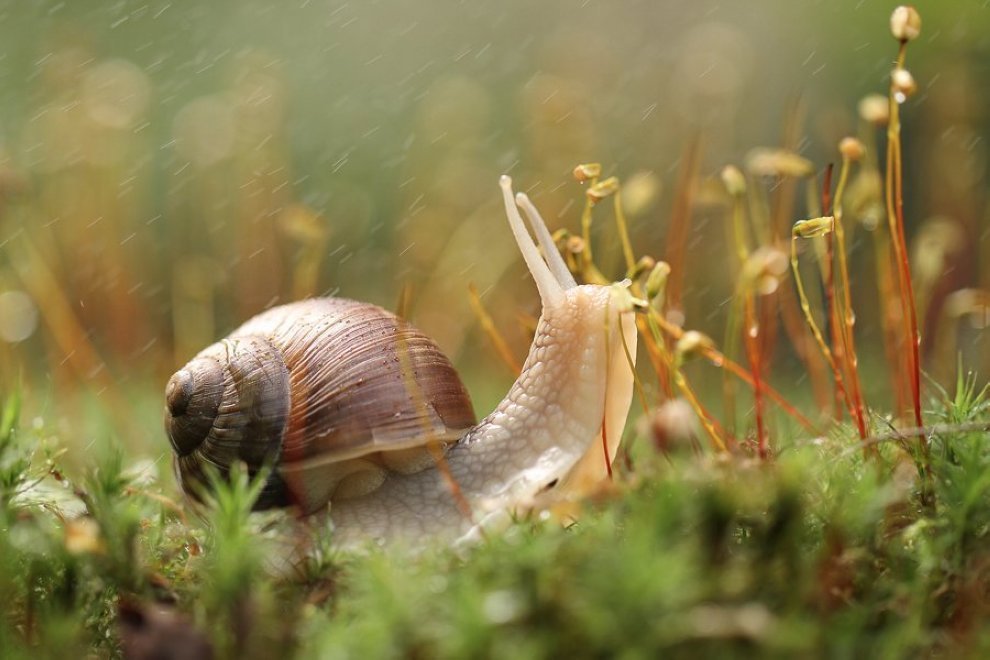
(820,552)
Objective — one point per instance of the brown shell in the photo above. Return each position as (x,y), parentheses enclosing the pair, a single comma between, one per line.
(367,392)
(361,380)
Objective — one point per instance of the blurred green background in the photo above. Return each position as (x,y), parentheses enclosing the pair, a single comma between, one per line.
(168,169)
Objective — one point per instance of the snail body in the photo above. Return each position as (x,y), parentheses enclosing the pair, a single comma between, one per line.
(354,408)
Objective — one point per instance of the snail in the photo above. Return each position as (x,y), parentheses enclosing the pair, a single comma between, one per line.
(361,414)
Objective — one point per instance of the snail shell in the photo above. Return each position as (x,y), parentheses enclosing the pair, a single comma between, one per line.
(331,392)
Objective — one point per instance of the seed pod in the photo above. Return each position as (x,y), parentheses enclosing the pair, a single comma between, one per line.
(905,23)
(587,171)
(852,149)
(903,84)
(814,227)
(603,189)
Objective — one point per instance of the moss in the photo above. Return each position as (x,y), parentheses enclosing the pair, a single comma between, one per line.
(819,552)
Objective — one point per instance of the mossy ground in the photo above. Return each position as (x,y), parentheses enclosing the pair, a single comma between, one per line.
(818,552)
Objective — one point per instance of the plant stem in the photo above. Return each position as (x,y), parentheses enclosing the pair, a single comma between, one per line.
(587,258)
(752,338)
(895,217)
(654,349)
(810,319)
(494,336)
(735,309)
(849,319)
(829,279)
(620,223)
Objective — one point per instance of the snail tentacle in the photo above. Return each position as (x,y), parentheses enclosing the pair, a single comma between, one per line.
(551,292)
(554,260)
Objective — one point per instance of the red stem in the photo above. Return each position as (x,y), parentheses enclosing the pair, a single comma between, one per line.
(895,210)
(752,339)
(833,318)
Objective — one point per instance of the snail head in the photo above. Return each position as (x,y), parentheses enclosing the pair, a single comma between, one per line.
(580,322)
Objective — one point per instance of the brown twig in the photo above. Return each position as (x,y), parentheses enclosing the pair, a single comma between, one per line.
(494,336)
